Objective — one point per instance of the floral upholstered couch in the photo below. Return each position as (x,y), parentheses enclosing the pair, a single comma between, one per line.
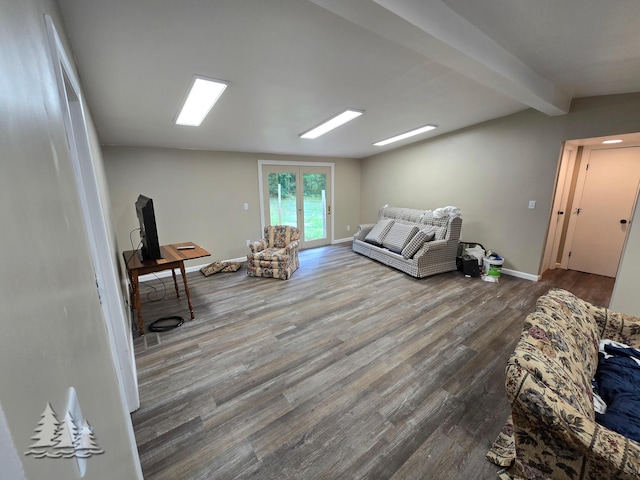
(417,242)
(549,384)
(276,255)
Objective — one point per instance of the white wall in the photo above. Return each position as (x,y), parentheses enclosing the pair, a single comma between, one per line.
(199,196)
(491,171)
(54,335)
(625,292)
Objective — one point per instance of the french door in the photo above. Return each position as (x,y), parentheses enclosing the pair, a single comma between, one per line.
(298,195)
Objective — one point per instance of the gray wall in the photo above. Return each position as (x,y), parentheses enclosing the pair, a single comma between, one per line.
(491,171)
(53,335)
(625,292)
(199,196)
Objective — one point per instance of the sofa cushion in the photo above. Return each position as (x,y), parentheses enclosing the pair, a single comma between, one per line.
(279,236)
(575,332)
(378,232)
(398,236)
(559,345)
(417,241)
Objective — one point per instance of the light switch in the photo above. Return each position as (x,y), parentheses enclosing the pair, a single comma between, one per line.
(246,206)
(532,204)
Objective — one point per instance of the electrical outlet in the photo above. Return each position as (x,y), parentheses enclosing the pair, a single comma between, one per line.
(348,228)
(248,242)
(532,204)
(246,206)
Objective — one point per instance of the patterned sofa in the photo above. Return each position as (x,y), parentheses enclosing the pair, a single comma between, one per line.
(417,242)
(548,382)
(276,255)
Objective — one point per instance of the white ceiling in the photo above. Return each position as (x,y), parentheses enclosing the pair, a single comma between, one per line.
(292,64)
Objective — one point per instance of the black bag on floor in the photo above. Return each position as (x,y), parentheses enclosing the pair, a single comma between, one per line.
(470,266)
(459,257)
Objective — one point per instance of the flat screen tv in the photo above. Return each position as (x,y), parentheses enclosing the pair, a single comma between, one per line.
(150,249)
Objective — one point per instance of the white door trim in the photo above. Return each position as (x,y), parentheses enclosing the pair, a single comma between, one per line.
(560,203)
(577,196)
(120,338)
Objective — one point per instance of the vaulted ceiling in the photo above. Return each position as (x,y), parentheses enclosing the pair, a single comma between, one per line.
(292,64)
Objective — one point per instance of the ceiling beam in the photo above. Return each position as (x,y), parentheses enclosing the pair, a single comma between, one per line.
(435,31)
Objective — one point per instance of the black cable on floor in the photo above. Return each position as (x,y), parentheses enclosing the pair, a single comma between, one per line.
(165,324)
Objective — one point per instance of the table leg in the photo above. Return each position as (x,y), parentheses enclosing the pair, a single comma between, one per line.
(136,297)
(175,282)
(186,289)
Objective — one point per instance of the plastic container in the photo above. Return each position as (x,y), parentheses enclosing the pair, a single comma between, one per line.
(477,252)
(492,266)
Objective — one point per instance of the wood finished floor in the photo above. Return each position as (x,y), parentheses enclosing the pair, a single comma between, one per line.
(349,370)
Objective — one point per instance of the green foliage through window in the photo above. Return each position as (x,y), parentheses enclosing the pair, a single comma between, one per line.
(283,210)
(287,182)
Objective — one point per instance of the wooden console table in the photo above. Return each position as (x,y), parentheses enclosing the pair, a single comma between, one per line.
(172,257)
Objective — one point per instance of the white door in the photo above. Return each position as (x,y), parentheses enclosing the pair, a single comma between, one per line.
(558,212)
(603,209)
(298,195)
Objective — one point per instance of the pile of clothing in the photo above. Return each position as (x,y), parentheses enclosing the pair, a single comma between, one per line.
(616,388)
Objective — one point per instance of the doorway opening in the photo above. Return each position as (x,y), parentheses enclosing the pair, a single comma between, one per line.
(596,191)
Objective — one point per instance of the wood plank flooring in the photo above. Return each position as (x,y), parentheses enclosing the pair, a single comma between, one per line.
(349,370)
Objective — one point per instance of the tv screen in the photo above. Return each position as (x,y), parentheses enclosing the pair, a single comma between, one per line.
(150,249)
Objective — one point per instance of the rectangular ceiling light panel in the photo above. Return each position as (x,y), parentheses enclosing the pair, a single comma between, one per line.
(402,136)
(203,95)
(332,123)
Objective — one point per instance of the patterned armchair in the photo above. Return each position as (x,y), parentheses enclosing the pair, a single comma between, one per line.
(548,382)
(276,255)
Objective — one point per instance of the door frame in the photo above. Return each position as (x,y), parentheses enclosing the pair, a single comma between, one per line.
(285,163)
(560,203)
(564,189)
(577,197)
(103,262)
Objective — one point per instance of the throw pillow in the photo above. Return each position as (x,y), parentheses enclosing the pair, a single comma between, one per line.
(217,267)
(440,232)
(378,232)
(416,243)
(398,236)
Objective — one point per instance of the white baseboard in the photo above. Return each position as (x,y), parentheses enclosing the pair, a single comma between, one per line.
(194,268)
(342,240)
(516,273)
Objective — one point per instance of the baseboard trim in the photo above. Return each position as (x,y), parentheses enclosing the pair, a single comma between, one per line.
(516,273)
(194,268)
(342,240)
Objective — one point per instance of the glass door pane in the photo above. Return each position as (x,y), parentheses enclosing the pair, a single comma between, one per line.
(315,206)
(283,198)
